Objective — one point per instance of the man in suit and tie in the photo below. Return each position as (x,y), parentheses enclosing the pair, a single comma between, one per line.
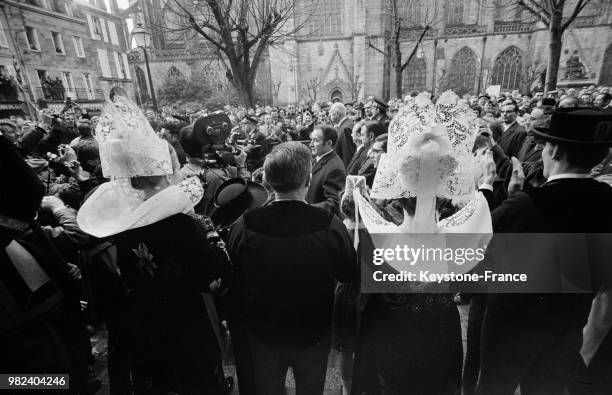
(328,175)
(369,131)
(368,168)
(514,134)
(345,147)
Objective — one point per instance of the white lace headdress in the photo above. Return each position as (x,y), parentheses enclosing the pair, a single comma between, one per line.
(448,127)
(128,145)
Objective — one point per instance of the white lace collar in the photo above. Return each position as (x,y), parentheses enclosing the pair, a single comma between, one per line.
(109,211)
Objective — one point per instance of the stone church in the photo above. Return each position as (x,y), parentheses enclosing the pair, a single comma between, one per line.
(469,45)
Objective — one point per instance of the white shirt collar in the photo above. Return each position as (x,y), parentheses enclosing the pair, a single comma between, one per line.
(509,125)
(324,155)
(567,175)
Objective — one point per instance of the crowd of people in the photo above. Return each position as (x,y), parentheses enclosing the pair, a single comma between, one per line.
(182,233)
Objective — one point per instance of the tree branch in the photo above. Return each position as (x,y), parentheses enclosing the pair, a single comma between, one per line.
(537,10)
(416,46)
(577,10)
(378,49)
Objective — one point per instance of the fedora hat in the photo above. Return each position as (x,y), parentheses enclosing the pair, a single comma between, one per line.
(577,126)
(233,198)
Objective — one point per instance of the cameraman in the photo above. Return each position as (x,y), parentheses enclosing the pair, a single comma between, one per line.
(217,168)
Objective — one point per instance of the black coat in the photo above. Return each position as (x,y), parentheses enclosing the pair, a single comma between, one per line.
(559,206)
(357,161)
(345,147)
(512,139)
(287,256)
(327,183)
(167,265)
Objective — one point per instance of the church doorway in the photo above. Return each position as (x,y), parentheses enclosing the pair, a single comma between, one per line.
(336,94)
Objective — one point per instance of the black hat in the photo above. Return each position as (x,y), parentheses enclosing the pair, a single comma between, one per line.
(380,104)
(22,192)
(249,119)
(578,126)
(484,94)
(233,198)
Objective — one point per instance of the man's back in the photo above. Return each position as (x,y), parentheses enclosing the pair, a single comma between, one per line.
(570,205)
(287,255)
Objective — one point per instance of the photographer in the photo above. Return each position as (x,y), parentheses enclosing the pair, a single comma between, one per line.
(217,168)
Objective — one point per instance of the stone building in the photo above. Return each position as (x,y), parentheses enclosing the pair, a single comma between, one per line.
(472,44)
(53,49)
(180,54)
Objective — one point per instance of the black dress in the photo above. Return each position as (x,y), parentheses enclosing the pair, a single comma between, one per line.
(408,343)
(167,265)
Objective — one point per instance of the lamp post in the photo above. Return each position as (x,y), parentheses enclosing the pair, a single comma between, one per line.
(143,40)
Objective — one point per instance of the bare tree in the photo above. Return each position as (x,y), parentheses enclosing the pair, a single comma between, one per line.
(551,13)
(416,15)
(312,88)
(238,31)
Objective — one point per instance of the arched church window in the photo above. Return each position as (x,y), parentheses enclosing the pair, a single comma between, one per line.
(462,77)
(325,17)
(415,75)
(508,69)
(454,12)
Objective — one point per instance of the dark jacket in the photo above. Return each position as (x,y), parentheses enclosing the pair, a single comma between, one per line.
(287,256)
(368,170)
(345,147)
(559,206)
(166,265)
(327,183)
(359,157)
(511,140)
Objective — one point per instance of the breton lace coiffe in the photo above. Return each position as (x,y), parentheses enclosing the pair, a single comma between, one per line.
(452,126)
(128,145)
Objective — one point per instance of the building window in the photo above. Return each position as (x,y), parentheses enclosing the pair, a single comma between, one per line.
(32,36)
(112,30)
(69,84)
(58,43)
(508,69)
(325,17)
(3,39)
(462,77)
(91,95)
(104,63)
(78,46)
(454,12)
(119,65)
(61,7)
(42,76)
(415,75)
(95,27)
(606,69)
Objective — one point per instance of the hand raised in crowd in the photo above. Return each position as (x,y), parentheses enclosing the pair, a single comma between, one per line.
(241,158)
(51,203)
(77,171)
(488,170)
(74,271)
(518,177)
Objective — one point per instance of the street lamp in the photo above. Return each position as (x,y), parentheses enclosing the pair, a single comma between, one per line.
(143,40)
